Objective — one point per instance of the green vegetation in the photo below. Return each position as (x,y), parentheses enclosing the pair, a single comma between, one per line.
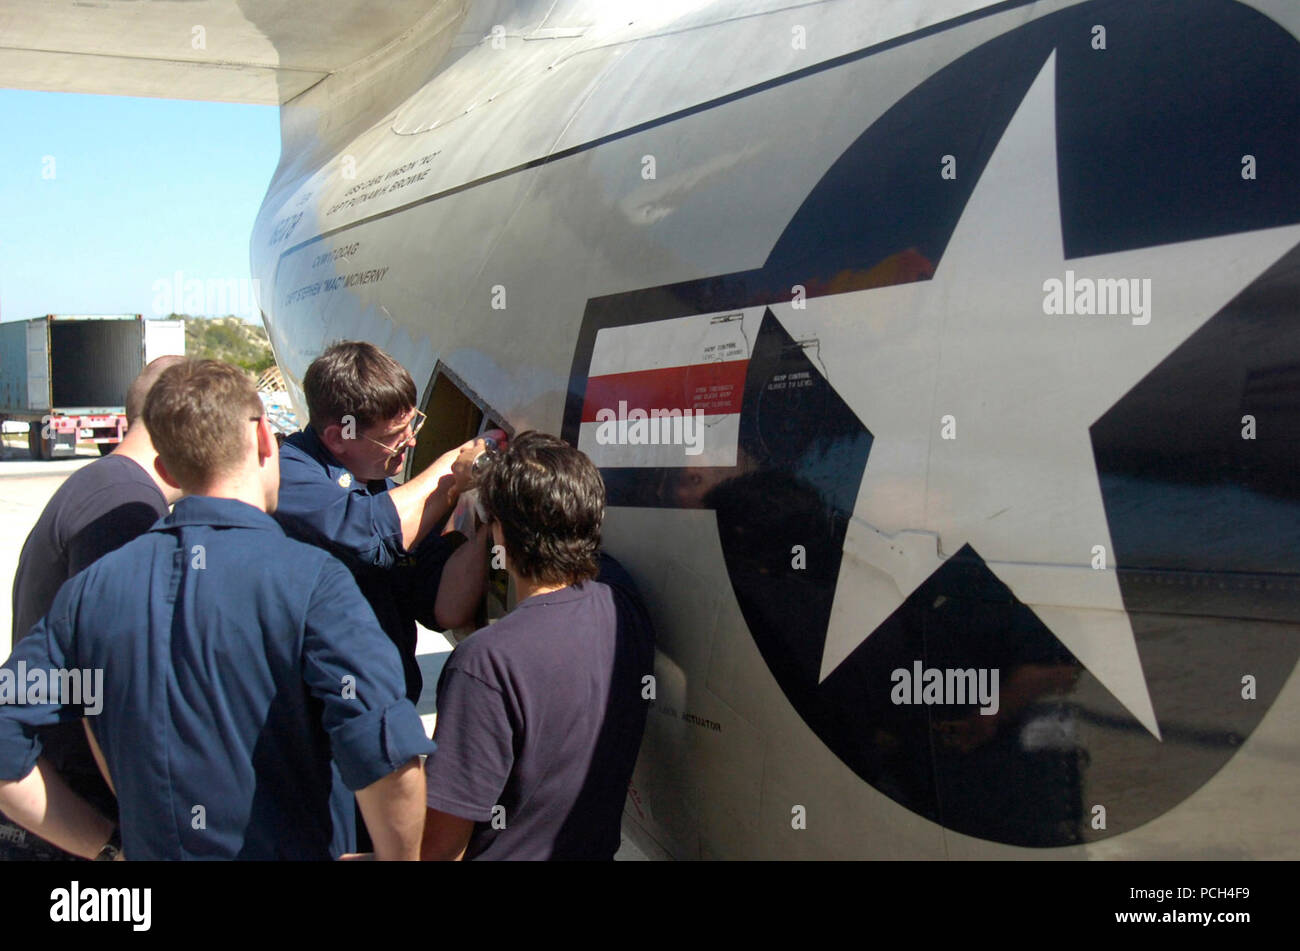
(227,338)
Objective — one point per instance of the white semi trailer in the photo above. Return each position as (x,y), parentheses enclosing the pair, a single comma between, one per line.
(66,375)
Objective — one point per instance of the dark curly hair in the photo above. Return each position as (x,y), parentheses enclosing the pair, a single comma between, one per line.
(550,501)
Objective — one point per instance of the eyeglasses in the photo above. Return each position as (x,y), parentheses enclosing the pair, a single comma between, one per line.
(416,423)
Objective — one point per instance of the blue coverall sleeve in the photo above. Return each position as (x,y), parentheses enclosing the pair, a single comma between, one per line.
(47,647)
(352,666)
(355,525)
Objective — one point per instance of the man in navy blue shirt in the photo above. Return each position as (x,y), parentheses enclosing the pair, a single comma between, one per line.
(336,491)
(223,669)
(540,715)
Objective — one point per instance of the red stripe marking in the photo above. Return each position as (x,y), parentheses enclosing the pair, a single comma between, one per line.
(717,388)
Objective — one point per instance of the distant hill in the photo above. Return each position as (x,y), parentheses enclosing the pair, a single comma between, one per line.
(229,339)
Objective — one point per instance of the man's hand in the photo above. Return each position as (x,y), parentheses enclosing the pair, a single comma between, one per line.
(462,467)
(423,502)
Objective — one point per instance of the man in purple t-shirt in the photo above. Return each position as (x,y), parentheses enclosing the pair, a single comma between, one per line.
(540,715)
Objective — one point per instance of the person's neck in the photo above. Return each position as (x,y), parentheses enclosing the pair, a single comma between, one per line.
(527,587)
(240,487)
(138,447)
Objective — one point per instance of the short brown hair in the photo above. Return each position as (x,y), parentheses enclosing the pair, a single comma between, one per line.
(357,379)
(139,388)
(550,501)
(197,415)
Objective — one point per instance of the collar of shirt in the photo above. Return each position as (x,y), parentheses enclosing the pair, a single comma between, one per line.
(307,440)
(570,593)
(210,510)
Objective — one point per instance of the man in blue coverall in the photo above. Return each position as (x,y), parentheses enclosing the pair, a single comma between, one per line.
(220,668)
(336,491)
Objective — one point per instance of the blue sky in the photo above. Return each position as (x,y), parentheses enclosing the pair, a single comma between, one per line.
(140,189)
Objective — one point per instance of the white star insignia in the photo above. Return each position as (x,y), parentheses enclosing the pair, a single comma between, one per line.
(1019,482)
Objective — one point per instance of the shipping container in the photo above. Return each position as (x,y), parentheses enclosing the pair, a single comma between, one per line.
(66,375)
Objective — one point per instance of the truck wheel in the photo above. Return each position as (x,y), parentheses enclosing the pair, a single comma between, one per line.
(106,447)
(38,447)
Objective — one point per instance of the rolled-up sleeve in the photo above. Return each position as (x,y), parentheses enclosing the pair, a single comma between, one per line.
(352,666)
(369,747)
(46,648)
(353,523)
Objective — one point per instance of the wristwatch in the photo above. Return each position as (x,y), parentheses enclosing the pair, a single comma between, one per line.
(112,847)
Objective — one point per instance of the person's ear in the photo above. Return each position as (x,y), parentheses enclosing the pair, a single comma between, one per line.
(332,437)
(266,444)
(162,472)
